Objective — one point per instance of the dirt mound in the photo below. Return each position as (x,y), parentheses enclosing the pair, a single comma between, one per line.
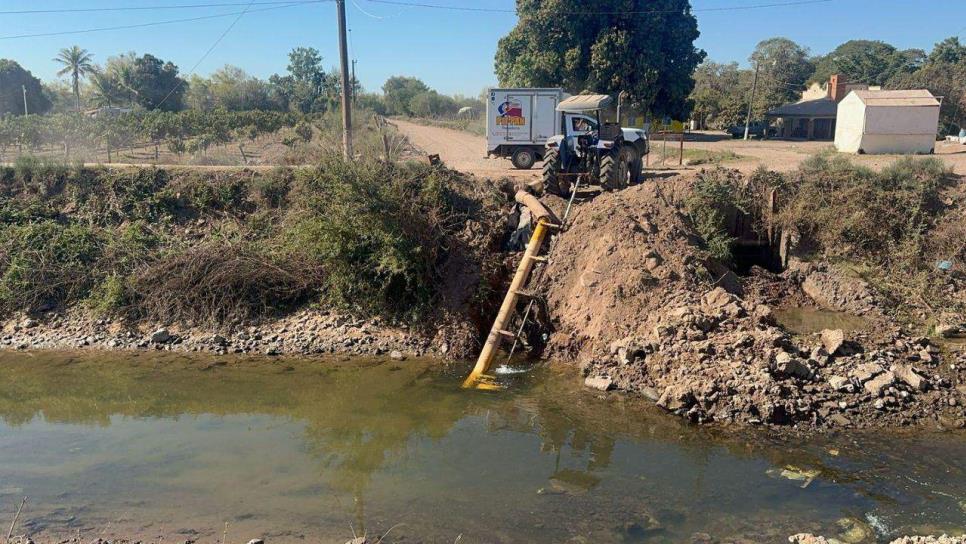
(638,303)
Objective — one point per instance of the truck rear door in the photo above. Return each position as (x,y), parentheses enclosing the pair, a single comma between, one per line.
(515,114)
(544,117)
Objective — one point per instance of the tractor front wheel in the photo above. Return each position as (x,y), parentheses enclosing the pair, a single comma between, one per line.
(552,165)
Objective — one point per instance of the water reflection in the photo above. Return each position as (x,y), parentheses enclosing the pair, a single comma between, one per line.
(298,449)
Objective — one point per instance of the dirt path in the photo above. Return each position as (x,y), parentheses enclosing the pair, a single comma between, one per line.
(461,151)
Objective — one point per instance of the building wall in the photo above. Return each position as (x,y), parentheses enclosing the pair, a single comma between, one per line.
(902,120)
(850,124)
(874,144)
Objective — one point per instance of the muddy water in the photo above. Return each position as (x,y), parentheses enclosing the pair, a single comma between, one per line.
(172,446)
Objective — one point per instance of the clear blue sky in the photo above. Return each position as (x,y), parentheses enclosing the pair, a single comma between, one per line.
(451,51)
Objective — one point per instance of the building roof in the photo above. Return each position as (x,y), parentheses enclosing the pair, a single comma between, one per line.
(584,102)
(820,107)
(914,97)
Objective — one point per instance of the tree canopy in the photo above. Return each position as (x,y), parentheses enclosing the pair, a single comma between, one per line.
(13,80)
(643,47)
(867,61)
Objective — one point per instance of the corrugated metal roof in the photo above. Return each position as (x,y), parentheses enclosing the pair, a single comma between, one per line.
(913,97)
(820,107)
(584,102)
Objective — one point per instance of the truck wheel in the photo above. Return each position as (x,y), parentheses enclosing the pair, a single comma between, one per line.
(551,172)
(523,159)
(613,172)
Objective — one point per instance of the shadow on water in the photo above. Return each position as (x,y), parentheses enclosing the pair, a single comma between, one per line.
(296,449)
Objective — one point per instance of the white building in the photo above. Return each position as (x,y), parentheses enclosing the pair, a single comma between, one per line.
(887,122)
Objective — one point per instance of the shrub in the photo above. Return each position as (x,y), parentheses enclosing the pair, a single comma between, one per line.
(378,230)
(218,283)
(46,263)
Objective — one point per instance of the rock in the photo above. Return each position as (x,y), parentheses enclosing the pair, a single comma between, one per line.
(718,298)
(866,372)
(791,367)
(907,375)
(832,340)
(28,323)
(877,385)
(218,340)
(600,383)
(357,540)
(839,420)
(397,355)
(676,397)
(161,336)
(256,541)
(839,383)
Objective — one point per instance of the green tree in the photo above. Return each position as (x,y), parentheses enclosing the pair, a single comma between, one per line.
(77,63)
(643,47)
(948,51)
(304,88)
(399,92)
(13,80)
(156,84)
(432,104)
(720,94)
(867,61)
(784,67)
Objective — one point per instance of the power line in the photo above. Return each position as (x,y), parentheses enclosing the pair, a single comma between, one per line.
(152,8)
(203,57)
(158,23)
(640,12)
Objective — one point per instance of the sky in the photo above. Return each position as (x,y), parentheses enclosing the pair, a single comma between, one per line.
(451,50)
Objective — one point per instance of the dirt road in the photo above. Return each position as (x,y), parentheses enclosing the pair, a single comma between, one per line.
(461,151)
(464,151)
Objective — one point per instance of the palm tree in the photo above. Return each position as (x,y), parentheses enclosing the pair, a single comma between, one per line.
(77,63)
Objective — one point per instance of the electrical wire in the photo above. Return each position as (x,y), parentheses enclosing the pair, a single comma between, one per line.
(159,23)
(639,12)
(208,52)
(150,8)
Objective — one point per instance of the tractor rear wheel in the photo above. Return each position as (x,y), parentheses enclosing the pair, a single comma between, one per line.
(552,165)
(614,171)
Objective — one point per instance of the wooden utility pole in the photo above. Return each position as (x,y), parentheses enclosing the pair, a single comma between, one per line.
(754,87)
(346,103)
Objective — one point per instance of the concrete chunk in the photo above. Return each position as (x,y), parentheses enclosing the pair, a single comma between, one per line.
(877,385)
(832,340)
(600,383)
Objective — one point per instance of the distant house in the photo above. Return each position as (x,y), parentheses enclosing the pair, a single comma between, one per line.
(877,121)
(813,117)
(107,110)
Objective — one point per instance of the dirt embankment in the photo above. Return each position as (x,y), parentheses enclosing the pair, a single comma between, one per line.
(637,302)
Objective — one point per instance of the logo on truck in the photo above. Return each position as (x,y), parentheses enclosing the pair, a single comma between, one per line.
(510,113)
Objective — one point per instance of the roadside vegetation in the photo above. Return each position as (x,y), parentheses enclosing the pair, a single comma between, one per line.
(369,237)
(786,69)
(893,227)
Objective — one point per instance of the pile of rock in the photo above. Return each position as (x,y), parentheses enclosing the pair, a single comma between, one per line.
(722,359)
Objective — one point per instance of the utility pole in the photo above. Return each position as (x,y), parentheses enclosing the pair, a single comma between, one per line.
(24,87)
(346,104)
(754,87)
(353,81)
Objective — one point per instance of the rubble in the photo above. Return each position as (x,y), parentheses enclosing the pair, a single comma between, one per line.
(709,349)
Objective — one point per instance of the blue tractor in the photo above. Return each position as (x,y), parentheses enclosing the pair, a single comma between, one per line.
(596,152)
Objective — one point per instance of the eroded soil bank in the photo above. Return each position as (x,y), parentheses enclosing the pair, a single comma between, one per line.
(635,298)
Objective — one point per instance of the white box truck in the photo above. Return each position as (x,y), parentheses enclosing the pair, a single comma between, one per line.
(519,121)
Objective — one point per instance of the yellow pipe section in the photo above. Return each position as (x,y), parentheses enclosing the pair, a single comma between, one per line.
(509,303)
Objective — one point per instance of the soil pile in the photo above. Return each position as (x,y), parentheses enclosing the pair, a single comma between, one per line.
(639,304)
